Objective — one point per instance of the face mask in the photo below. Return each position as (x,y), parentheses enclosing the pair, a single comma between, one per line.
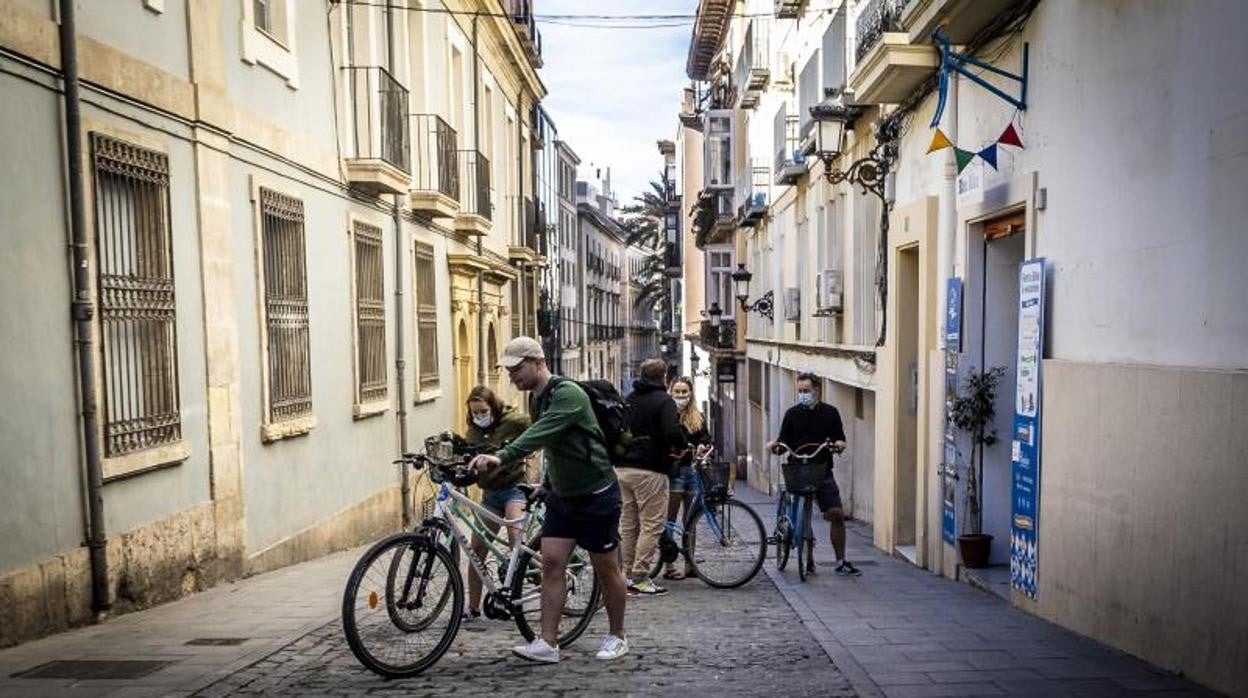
(681,402)
(806,399)
(484,421)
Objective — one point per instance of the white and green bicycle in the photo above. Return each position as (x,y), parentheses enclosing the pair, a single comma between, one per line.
(404,600)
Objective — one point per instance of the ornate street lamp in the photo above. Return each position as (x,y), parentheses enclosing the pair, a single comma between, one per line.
(741,285)
(872,173)
(715,313)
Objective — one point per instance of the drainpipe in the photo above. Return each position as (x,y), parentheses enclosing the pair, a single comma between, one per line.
(947,221)
(83,309)
(476,142)
(400,364)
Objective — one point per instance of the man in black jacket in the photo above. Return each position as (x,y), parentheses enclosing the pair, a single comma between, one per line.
(655,426)
(809,423)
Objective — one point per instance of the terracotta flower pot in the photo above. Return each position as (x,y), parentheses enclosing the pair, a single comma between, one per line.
(974,548)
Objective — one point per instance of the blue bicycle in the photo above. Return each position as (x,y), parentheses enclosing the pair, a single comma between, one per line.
(722,539)
(793,510)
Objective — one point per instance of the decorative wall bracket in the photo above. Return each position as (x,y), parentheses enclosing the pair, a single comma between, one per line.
(952,61)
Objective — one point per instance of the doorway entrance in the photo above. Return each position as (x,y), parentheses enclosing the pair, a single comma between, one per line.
(907,469)
(995,256)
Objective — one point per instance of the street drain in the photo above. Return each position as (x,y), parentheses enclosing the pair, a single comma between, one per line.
(217,641)
(863,563)
(87,669)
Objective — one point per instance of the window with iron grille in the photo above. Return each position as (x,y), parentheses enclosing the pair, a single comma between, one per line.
(285,306)
(370,314)
(138,335)
(426,318)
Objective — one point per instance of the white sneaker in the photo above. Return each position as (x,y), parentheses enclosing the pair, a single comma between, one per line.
(538,651)
(613,647)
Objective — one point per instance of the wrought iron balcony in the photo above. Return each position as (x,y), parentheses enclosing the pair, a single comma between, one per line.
(877,18)
(379,157)
(753,194)
(474,190)
(722,337)
(672,261)
(753,70)
(789,9)
(790,162)
(521,13)
(714,216)
(435,181)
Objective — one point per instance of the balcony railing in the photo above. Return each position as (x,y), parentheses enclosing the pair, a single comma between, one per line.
(753,194)
(671,258)
(521,13)
(722,337)
(790,162)
(878,17)
(788,9)
(533,234)
(753,70)
(436,144)
(474,178)
(379,113)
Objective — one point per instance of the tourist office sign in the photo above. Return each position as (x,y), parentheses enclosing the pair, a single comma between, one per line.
(949,469)
(1025,449)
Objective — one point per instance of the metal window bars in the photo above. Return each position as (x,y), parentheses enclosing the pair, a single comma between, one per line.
(370,314)
(379,114)
(285,306)
(138,333)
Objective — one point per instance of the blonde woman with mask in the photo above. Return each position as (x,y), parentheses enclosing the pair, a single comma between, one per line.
(680,484)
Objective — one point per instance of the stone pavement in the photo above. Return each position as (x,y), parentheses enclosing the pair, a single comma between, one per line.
(895,631)
(900,631)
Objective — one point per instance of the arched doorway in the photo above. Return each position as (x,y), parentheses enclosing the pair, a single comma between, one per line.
(491,353)
(463,371)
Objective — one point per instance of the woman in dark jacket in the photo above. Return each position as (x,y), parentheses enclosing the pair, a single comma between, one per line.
(490,424)
(680,485)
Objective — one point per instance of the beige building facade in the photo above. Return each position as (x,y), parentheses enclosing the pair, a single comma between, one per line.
(300,218)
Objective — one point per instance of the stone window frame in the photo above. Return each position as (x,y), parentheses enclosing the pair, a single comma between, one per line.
(277,50)
(273,430)
(165,455)
(362,408)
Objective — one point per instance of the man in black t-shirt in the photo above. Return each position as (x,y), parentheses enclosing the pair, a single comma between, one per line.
(808,423)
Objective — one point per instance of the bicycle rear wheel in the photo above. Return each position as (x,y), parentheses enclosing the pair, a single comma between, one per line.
(581,599)
(725,543)
(412,589)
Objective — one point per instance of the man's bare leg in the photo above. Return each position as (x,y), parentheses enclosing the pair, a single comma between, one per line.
(614,592)
(555,553)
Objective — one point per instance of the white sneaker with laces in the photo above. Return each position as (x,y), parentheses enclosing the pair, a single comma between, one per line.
(612,648)
(537,651)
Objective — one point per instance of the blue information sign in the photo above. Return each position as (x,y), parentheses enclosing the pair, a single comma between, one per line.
(1025,450)
(953,315)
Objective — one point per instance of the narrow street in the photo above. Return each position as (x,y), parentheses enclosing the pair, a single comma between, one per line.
(895,631)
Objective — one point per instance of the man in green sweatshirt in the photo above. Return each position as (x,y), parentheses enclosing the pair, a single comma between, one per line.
(583,498)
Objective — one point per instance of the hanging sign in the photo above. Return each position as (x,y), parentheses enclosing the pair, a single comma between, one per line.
(726,371)
(953,315)
(1025,450)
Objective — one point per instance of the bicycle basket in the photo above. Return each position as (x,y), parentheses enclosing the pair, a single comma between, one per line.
(803,478)
(715,480)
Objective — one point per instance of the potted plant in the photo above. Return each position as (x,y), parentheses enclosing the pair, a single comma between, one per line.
(973,410)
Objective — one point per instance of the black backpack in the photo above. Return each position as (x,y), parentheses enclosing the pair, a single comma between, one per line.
(613,415)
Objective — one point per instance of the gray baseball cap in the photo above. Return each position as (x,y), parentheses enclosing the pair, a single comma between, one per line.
(519,349)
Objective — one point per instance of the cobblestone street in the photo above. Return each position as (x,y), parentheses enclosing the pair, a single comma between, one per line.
(733,642)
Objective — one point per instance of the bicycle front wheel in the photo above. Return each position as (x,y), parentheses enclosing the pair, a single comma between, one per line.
(725,543)
(805,555)
(581,595)
(395,613)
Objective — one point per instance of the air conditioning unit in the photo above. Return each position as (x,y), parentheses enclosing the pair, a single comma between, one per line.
(793,304)
(829,290)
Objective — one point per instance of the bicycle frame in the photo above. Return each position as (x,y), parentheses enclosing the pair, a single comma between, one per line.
(446,508)
(697,502)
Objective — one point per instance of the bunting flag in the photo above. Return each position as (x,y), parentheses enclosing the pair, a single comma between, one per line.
(963,157)
(989,155)
(939,142)
(1010,137)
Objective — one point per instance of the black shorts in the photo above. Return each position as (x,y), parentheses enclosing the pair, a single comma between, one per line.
(829,495)
(593,520)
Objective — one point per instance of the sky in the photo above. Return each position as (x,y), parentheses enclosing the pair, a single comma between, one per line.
(614,92)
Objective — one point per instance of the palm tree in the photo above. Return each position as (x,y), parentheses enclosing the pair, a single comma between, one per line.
(643,223)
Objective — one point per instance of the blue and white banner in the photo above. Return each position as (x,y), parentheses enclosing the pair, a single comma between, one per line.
(1026,438)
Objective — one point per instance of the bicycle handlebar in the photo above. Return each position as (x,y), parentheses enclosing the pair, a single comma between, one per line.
(828,444)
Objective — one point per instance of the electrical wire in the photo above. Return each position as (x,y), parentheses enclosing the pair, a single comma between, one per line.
(684,18)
